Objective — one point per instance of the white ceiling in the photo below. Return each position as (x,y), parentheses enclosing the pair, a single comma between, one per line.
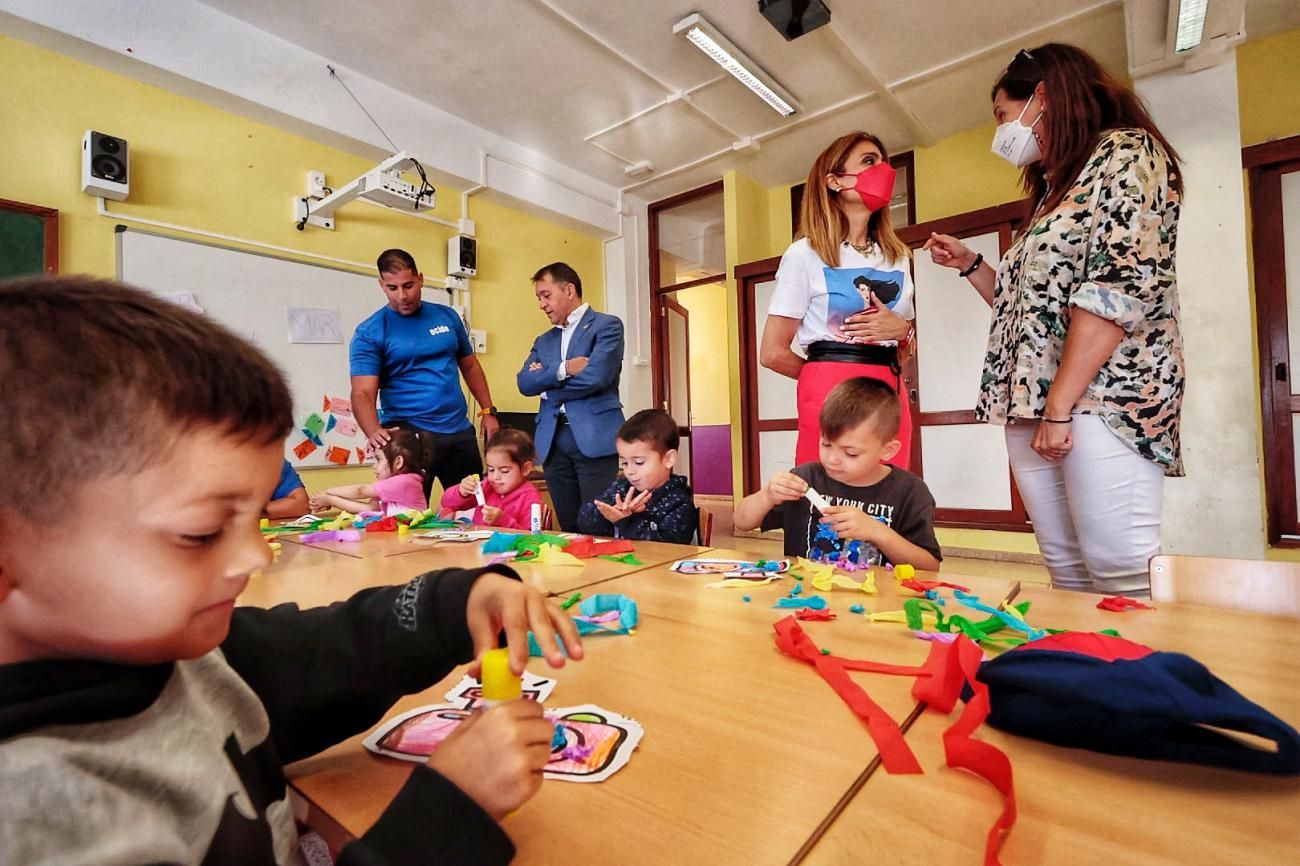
(591,83)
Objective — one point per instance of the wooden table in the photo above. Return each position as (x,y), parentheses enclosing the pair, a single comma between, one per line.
(745,750)
(327,575)
(1077,806)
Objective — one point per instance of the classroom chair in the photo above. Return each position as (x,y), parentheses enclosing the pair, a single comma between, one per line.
(704,533)
(1241,584)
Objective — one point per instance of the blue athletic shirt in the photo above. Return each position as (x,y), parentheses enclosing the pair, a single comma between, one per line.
(289,481)
(416,359)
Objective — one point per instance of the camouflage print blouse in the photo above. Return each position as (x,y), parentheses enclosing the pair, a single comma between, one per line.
(1108,248)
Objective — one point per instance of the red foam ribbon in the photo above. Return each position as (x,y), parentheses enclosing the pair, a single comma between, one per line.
(940,682)
(387,524)
(918,585)
(585,547)
(1120,602)
(815,615)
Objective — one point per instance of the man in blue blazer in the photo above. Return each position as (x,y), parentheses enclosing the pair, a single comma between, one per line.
(574,368)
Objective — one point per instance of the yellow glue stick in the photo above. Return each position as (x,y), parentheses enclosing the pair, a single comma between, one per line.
(499,683)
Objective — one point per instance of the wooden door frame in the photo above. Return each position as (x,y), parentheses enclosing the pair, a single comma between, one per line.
(1005,218)
(746,276)
(50,223)
(1265,164)
(683,430)
(658,340)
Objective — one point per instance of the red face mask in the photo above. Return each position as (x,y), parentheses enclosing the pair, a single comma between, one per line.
(875,185)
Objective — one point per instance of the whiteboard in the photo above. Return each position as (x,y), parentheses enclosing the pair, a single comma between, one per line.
(253,294)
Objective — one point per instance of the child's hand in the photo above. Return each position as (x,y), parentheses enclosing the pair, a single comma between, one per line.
(631,503)
(318,502)
(498,603)
(496,756)
(853,523)
(491,514)
(786,487)
(468,485)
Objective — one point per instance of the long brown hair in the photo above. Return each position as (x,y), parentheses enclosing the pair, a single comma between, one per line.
(822,221)
(1086,102)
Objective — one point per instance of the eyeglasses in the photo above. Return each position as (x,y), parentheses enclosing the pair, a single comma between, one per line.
(1023,67)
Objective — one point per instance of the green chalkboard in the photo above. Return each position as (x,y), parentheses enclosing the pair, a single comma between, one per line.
(26,232)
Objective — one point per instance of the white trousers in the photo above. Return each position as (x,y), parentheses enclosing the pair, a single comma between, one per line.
(1096,512)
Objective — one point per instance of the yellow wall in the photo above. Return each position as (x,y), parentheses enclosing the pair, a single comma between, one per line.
(710,367)
(198,166)
(959,174)
(1268,98)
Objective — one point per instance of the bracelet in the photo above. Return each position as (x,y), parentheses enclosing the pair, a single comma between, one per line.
(1058,420)
(974,266)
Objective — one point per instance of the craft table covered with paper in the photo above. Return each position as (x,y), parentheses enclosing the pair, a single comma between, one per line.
(1080,806)
(745,749)
(333,576)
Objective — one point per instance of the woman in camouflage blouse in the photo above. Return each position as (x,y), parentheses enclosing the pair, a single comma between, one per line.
(1085,360)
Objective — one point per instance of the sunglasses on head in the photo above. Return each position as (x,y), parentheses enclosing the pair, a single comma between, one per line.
(1023,67)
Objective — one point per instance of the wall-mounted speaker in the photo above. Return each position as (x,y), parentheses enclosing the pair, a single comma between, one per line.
(462,256)
(104,166)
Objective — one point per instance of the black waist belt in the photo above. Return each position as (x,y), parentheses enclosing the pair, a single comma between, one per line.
(854,353)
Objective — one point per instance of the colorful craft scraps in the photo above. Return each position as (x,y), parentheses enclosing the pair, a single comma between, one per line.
(549,554)
(304,449)
(331,535)
(1120,603)
(585,547)
(918,585)
(594,617)
(815,615)
(825,582)
(815,602)
(338,456)
(807,568)
(626,559)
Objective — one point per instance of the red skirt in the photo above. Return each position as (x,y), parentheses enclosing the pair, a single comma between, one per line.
(816,380)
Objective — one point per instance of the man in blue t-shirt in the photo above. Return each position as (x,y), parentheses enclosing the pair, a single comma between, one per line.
(407,360)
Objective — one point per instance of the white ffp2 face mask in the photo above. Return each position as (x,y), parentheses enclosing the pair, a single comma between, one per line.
(1015,142)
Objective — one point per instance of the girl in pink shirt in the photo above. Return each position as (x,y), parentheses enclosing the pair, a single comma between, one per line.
(398,484)
(507,494)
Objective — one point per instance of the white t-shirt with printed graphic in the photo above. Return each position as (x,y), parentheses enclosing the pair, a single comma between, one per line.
(822,297)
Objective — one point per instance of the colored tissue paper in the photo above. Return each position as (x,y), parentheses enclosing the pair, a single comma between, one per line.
(741,582)
(825,582)
(549,554)
(304,449)
(815,615)
(815,602)
(857,608)
(338,456)
(630,559)
(585,547)
(1119,603)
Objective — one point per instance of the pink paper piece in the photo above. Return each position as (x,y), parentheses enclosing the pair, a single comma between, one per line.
(341,406)
(346,427)
(937,637)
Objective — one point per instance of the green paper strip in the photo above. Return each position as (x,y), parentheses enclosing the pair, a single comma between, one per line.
(626,559)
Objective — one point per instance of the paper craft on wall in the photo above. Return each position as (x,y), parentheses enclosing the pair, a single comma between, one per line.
(314,325)
(338,456)
(346,427)
(304,449)
(596,742)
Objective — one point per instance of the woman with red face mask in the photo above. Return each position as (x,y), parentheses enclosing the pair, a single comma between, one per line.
(1085,358)
(844,288)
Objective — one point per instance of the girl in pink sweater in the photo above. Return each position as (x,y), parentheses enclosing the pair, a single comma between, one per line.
(508,496)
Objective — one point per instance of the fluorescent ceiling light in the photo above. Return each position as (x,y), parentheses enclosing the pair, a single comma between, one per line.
(706,37)
(1191,24)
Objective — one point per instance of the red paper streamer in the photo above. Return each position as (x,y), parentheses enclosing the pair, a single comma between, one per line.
(1119,603)
(815,615)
